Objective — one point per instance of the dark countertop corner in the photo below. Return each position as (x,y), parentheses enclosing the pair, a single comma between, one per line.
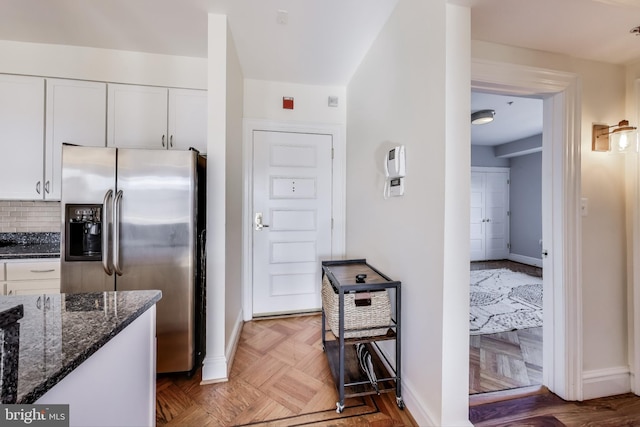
(58,332)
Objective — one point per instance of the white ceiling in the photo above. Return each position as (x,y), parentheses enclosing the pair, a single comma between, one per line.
(589,29)
(516,118)
(323,42)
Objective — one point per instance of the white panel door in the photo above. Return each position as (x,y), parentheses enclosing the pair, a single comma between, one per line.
(489,204)
(76,114)
(292,194)
(477,217)
(497,222)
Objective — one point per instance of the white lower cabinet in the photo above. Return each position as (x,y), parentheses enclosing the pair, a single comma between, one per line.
(41,276)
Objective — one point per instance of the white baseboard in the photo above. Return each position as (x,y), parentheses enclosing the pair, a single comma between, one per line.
(415,406)
(234,339)
(215,369)
(536,262)
(606,382)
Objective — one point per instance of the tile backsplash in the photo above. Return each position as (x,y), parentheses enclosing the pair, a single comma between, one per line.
(29,216)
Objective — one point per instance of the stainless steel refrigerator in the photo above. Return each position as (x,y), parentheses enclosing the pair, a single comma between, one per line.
(134,220)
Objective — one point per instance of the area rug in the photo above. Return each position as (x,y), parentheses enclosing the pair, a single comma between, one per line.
(503,300)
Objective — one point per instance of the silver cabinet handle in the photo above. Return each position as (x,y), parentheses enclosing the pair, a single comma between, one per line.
(50,270)
(163,140)
(116,233)
(47,303)
(10,292)
(46,187)
(38,187)
(108,198)
(171,141)
(258,222)
(39,303)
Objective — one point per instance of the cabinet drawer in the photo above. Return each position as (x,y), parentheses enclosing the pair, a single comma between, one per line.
(31,287)
(33,270)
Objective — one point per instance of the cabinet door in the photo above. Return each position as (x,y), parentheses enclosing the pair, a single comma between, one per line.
(76,114)
(188,119)
(21,137)
(137,116)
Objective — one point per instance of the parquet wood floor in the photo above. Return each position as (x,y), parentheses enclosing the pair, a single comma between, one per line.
(548,410)
(505,360)
(280,377)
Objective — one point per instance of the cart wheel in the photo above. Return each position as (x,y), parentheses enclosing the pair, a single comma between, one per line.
(339,408)
(400,402)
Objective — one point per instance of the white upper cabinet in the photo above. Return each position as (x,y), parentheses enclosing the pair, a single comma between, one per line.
(21,137)
(154,117)
(76,114)
(137,116)
(188,119)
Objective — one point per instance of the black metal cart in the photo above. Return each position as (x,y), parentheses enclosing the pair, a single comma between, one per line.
(341,352)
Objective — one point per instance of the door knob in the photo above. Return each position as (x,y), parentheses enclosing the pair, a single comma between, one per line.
(258,221)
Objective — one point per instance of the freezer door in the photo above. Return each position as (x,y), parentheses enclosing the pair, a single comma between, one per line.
(88,177)
(156,240)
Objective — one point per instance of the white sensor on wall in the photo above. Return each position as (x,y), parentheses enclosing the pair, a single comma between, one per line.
(395,170)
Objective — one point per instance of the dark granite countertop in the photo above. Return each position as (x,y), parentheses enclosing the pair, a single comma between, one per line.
(29,245)
(60,331)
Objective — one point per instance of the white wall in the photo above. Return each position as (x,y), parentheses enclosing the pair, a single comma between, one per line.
(215,364)
(398,96)
(87,63)
(233,251)
(263,100)
(603,230)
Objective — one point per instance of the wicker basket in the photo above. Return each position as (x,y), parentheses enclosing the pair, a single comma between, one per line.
(374,319)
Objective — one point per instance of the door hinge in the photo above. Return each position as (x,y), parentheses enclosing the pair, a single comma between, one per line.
(508,181)
(508,213)
(332,153)
(332,223)
(508,245)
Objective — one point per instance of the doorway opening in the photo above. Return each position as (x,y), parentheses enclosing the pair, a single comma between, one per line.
(506,288)
(562,299)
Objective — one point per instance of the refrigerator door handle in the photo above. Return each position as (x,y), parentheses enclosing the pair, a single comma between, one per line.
(116,233)
(108,197)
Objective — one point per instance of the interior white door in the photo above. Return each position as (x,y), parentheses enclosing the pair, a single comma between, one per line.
(489,227)
(477,231)
(497,206)
(292,219)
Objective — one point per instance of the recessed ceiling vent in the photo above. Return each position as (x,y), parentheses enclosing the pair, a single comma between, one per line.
(635,30)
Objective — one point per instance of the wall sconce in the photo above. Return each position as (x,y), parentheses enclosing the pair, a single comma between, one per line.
(621,139)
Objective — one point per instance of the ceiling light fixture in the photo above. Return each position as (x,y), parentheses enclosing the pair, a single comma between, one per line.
(482,117)
(621,139)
